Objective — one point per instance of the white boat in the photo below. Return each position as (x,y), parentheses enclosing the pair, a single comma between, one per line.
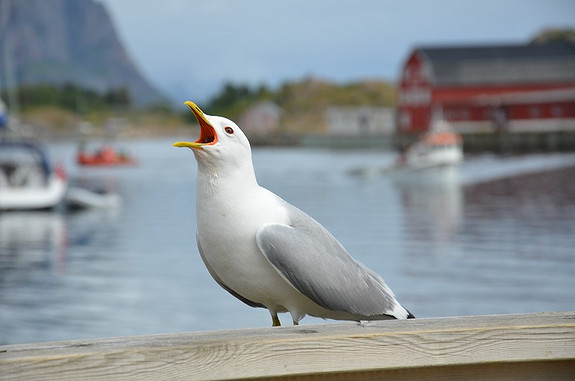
(435,156)
(439,147)
(80,198)
(27,180)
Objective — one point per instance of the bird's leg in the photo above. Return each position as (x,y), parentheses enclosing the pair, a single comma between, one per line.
(275,320)
(295,322)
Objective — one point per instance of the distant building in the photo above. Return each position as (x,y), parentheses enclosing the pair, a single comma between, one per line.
(261,118)
(361,120)
(489,88)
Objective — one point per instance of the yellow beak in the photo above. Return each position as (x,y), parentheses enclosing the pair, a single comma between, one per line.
(207,131)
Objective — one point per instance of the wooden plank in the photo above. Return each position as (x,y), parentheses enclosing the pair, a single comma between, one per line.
(510,346)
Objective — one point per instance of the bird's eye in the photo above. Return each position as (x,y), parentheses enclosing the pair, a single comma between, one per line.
(229,130)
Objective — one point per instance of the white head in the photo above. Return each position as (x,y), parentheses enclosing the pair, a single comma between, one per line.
(222,145)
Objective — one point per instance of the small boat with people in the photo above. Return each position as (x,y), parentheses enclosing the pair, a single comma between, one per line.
(28,181)
(107,155)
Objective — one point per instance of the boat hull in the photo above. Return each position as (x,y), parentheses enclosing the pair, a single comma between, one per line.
(30,198)
(433,173)
(96,162)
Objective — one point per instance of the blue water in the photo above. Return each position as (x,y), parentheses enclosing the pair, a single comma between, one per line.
(501,240)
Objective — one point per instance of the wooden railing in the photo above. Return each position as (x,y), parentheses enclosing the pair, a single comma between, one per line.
(524,347)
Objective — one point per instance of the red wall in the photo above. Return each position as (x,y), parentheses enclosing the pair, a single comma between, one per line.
(417,98)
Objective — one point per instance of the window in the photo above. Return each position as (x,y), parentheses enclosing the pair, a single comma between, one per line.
(415,96)
(557,111)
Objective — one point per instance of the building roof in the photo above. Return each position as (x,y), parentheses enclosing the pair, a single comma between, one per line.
(501,64)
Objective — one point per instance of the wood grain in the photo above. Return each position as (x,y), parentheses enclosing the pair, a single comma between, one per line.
(501,346)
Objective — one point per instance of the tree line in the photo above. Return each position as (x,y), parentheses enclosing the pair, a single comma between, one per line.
(306,95)
(70,97)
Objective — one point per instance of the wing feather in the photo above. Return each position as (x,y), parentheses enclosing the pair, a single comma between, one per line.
(318,266)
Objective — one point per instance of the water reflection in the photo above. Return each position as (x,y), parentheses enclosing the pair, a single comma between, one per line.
(503,246)
(31,240)
(93,228)
(495,244)
(525,215)
(433,212)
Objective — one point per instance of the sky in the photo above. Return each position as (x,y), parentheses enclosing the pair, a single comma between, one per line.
(189,48)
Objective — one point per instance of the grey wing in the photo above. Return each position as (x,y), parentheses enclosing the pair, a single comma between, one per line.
(318,266)
(221,282)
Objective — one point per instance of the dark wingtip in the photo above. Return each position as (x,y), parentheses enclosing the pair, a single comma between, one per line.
(409,316)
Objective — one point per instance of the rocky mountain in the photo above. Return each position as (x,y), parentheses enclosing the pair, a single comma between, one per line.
(66,41)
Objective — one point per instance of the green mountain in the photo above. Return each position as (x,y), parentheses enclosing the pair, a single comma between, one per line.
(67,42)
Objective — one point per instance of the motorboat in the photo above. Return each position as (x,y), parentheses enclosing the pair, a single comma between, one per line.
(435,156)
(439,147)
(27,179)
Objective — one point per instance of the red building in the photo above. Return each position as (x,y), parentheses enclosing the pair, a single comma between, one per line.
(487,88)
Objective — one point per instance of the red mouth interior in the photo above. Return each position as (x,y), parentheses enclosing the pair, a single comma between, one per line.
(207,133)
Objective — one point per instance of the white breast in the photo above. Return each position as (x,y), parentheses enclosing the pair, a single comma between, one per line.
(227,226)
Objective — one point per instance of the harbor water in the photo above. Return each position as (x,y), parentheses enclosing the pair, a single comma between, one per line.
(499,239)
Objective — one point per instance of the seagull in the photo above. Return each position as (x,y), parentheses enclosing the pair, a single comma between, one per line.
(265,251)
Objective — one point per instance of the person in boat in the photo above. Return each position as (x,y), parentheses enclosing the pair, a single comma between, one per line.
(3,116)
(35,173)
(108,154)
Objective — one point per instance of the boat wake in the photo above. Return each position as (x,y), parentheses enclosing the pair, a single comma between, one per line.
(490,167)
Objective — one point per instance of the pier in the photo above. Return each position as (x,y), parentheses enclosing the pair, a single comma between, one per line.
(499,143)
(511,347)
(508,143)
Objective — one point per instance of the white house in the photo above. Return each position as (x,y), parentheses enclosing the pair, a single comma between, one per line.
(360,120)
(261,118)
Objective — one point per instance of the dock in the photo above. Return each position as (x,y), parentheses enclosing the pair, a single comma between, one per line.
(508,143)
(498,143)
(539,346)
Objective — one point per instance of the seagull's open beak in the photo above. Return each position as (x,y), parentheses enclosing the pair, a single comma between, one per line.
(207,132)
